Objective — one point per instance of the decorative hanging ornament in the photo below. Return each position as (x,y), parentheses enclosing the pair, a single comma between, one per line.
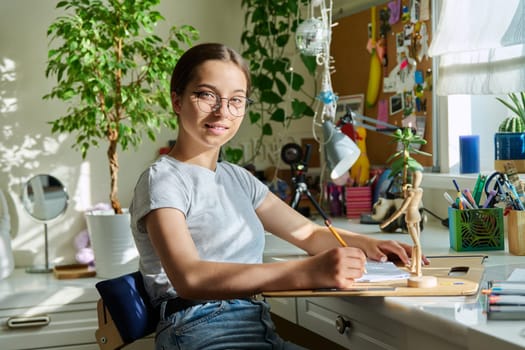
(327,97)
(312,37)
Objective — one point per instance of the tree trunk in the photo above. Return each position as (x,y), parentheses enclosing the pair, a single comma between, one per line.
(113,171)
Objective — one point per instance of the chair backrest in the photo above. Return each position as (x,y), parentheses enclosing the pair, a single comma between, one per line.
(125,313)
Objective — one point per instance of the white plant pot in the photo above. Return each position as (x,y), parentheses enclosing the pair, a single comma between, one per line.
(112,243)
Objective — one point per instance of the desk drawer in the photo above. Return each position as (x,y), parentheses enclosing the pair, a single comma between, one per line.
(284,307)
(365,330)
(36,328)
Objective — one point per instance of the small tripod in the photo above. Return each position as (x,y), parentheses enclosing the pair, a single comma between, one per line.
(299,180)
(291,154)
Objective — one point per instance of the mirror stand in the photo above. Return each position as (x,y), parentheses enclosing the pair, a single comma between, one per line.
(44,198)
(46,268)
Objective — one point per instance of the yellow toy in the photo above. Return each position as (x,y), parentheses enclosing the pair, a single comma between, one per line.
(360,171)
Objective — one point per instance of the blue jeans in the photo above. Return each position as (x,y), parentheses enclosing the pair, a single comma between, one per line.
(226,324)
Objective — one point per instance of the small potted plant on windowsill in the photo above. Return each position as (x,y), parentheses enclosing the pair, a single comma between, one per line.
(509,141)
(113,71)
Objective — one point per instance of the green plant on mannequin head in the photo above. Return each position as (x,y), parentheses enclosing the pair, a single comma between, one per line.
(113,71)
(402,163)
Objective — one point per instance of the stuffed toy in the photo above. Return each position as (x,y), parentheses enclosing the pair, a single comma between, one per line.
(84,253)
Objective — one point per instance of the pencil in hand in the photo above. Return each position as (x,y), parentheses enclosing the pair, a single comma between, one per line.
(335,233)
(338,237)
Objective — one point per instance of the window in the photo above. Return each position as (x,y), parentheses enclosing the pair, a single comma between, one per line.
(480,48)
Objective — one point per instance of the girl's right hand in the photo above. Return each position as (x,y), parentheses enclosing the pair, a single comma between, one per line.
(337,267)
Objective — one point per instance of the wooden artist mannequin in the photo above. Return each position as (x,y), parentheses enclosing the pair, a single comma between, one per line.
(410,207)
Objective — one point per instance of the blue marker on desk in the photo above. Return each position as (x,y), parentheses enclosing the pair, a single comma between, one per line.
(456,185)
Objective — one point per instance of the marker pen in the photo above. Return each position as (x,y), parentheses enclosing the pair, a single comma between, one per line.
(449,199)
(470,199)
(491,196)
(456,185)
(507,299)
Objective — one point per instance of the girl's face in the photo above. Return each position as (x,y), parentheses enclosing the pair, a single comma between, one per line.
(199,125)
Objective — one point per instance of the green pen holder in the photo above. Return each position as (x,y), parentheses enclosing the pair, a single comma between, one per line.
(476,229)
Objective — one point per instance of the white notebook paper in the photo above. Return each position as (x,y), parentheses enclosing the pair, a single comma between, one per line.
(382,271)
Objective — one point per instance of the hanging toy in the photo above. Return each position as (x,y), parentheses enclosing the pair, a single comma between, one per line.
(405,14)
(328,97)
(395,11)
(311,37)
(360,171)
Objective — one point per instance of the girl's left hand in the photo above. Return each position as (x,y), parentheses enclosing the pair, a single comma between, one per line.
(383,250)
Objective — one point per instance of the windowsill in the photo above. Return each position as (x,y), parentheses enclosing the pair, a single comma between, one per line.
(443,181)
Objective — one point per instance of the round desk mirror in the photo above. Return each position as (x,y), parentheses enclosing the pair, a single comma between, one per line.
(44,198)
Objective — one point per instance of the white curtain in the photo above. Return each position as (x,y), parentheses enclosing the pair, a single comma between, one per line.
(480,45)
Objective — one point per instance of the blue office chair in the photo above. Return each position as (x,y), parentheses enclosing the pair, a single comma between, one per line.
(125,313)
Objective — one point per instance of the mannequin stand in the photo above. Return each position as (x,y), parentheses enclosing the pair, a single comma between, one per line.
(422,282)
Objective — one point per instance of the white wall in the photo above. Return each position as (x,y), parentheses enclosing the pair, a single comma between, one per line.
(27,146)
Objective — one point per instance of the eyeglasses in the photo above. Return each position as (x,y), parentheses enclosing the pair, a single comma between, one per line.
(211,102)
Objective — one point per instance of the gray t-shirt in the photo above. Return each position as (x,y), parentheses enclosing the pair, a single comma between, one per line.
(220,213)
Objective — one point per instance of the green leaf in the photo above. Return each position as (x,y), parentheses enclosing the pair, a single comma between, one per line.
(423,153)
(267,129)
(281,86)
(414,165)
(233,155)
(310,63)
(397,166)
(254,117)
(282,40)
(271,97)
(298,108)
(263,82)
(296,80)
(278,115)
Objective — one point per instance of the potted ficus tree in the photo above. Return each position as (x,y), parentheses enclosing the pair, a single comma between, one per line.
(113,72)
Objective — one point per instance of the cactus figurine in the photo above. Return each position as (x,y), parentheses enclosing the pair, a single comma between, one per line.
(516,122)
(509,141)
(513,123)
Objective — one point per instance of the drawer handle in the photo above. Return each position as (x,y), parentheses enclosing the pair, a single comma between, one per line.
(30,321)
(341,324)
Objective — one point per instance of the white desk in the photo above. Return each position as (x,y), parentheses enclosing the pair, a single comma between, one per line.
(38,311)
(377,323)
(407,322)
